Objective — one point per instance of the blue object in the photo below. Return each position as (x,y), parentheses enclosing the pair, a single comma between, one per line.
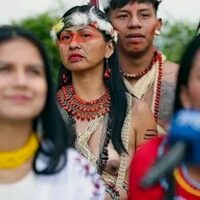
(185,126)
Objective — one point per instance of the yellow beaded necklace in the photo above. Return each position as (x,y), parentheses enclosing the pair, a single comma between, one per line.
(13,159)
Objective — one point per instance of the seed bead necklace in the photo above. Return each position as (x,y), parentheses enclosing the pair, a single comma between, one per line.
(158,86)
(80,109)
(156,58)
(16,158)
(141,74)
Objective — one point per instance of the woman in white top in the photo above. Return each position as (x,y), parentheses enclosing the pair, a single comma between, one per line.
(36,161)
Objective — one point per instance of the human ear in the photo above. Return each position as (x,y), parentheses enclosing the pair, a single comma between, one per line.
(158,26)
(109,49)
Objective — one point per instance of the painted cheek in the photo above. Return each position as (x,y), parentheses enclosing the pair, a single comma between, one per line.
(75,38)
(84,39)
(120,25)
(78,38)
(153,31)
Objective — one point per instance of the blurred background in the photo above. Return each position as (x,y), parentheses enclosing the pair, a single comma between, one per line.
(180,19)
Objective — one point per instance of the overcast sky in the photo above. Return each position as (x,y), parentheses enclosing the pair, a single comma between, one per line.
(188,10)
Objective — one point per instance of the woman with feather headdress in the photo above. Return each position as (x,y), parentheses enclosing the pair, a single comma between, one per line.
(109,122)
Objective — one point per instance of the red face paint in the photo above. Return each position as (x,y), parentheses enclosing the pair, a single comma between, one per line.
(79,36)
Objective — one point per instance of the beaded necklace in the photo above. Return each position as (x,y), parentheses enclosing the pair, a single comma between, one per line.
(81,109)
(158,80)
(158,83)
(140,74)
(14,159)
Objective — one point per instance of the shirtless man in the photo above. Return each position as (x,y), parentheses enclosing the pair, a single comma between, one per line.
(146,71)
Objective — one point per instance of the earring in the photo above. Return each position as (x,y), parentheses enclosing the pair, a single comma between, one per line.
(157,32)
(64,79)
(107,72)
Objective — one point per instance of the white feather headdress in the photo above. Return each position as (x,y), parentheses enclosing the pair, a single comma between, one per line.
(104,4)
(90,18)
(100,4)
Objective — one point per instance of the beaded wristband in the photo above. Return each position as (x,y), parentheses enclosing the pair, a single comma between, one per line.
(113,193)
(125,187)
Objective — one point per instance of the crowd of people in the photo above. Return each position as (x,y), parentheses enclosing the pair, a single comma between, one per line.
(97,134)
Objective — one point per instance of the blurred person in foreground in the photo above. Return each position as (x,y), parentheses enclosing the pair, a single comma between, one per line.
(36,158)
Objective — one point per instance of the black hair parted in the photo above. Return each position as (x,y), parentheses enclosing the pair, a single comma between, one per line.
(55,136)
(114,4)
(186,65)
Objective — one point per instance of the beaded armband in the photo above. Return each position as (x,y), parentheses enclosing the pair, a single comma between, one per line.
(113,193)
(125,187)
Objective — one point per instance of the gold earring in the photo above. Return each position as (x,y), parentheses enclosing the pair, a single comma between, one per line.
(157,32)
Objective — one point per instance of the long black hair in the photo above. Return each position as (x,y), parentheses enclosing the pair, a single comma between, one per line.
(185,69)
(115,83)
(55,135)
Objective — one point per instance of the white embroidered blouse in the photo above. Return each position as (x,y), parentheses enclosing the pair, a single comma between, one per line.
(77,181)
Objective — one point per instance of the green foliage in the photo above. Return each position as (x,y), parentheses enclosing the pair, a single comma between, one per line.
(174,38)
(41,26)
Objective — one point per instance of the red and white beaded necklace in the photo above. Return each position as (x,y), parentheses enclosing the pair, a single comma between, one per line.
(140,74)
(156,58)
(81,109)
(158,83)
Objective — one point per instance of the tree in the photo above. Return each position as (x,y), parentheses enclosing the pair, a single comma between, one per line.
(174,38)
(41,26)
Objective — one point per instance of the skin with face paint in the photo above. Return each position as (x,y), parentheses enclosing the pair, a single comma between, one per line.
(136,24)
(83,48)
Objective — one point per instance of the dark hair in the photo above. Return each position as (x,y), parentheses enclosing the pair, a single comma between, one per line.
(114,4)
(55,136)
(186,66)
(198,29)
(115,84)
